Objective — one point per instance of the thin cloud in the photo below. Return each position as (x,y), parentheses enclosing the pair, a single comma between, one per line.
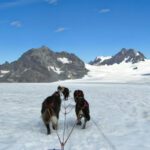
(61,29)
(103,11)
(16,3)
(9,4)
(52,2)
(16,23)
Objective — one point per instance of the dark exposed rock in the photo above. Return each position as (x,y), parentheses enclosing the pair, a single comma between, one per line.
(43,65)
(125,55)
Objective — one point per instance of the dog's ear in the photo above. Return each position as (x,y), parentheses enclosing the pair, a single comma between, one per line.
(58,87)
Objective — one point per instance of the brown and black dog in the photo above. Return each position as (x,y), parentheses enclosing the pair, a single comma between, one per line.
(50,111)
(64,91)
(78,94)
(82,108)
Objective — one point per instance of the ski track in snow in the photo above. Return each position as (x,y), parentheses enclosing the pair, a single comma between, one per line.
(121,113)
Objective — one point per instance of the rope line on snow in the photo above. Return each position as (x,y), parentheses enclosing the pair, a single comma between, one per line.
(58,137)
(64,122)
(104,136)
(64,141)
(70,133)
(68,111)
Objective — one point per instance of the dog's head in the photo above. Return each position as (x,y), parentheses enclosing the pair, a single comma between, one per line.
(60,88)
(78,94)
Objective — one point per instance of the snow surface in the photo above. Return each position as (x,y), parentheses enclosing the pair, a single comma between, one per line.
(120,117)
(120,73)
(137,54)
(103,58)
(55,69)
(64,60)
(3,72)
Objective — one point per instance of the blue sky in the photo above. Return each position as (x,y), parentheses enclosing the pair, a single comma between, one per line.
(88,28)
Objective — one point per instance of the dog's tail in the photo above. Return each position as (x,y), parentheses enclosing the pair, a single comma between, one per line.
(87,115)
(46,115)
(54,120)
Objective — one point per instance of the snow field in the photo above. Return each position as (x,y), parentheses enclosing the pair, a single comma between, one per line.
(121,113)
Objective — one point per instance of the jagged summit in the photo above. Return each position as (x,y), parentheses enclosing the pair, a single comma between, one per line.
(125,55)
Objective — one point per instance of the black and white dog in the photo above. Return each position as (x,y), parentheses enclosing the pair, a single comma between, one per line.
(50,111)
(64,91)
(82,108)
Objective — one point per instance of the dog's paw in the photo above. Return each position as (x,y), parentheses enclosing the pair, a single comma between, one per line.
(54,127)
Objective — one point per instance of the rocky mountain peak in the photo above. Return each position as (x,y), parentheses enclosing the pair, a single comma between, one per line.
(125,55)
(43,65)
(123,50)
(37,52)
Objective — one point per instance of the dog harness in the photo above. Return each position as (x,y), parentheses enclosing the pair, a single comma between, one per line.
(85,104)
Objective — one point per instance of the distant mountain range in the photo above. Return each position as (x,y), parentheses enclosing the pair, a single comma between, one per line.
(125,55)
(45,65)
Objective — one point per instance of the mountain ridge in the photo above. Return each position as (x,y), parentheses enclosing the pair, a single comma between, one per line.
(127,55)
(43,65)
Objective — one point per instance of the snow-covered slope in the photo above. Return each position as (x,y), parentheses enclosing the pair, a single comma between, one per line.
(123,72)
(120,117)
(99,59)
